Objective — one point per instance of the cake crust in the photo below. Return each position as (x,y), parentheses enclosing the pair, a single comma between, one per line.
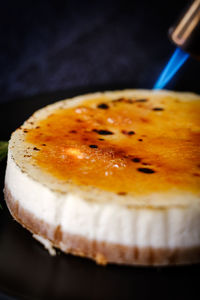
(101,252)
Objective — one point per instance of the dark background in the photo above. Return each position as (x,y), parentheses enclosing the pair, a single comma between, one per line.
(50,49)
(49,46)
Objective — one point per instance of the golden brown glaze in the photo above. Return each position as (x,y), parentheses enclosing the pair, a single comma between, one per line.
(134,146)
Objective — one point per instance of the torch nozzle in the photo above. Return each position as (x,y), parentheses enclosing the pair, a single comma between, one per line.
(186,33)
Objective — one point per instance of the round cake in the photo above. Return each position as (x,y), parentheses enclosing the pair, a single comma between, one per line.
(113,176)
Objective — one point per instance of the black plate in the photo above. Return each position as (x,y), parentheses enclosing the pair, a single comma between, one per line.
(27,271)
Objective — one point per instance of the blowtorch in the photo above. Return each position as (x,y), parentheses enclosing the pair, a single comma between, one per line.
(185,34)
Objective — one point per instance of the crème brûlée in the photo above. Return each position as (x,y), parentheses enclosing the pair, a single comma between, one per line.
(112,176)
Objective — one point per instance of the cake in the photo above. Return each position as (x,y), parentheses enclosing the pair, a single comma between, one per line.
(112,176)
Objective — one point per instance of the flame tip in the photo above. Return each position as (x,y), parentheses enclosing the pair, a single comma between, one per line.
(177,59)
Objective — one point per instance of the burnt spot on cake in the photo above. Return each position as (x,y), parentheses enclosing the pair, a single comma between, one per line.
(136,159)
(141,100)
(146,170)
(103,106)
(93,146)
(128,132)
(122,193)
(103,131)
(36,149)
(124,100)
(25,130)
(101,139)
(72,131)
(158,108)
(196,174)
(130,101)
(140,140)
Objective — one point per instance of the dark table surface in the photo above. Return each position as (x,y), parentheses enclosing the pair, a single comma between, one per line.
(55,49)
(48,46)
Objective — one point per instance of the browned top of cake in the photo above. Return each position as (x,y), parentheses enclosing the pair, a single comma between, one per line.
(126,145)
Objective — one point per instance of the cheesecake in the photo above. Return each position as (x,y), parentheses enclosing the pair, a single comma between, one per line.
(112,176)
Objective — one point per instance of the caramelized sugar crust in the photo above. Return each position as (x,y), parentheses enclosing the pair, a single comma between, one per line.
(126,145)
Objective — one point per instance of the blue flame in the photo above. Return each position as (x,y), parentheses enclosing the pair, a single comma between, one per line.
(174,64)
